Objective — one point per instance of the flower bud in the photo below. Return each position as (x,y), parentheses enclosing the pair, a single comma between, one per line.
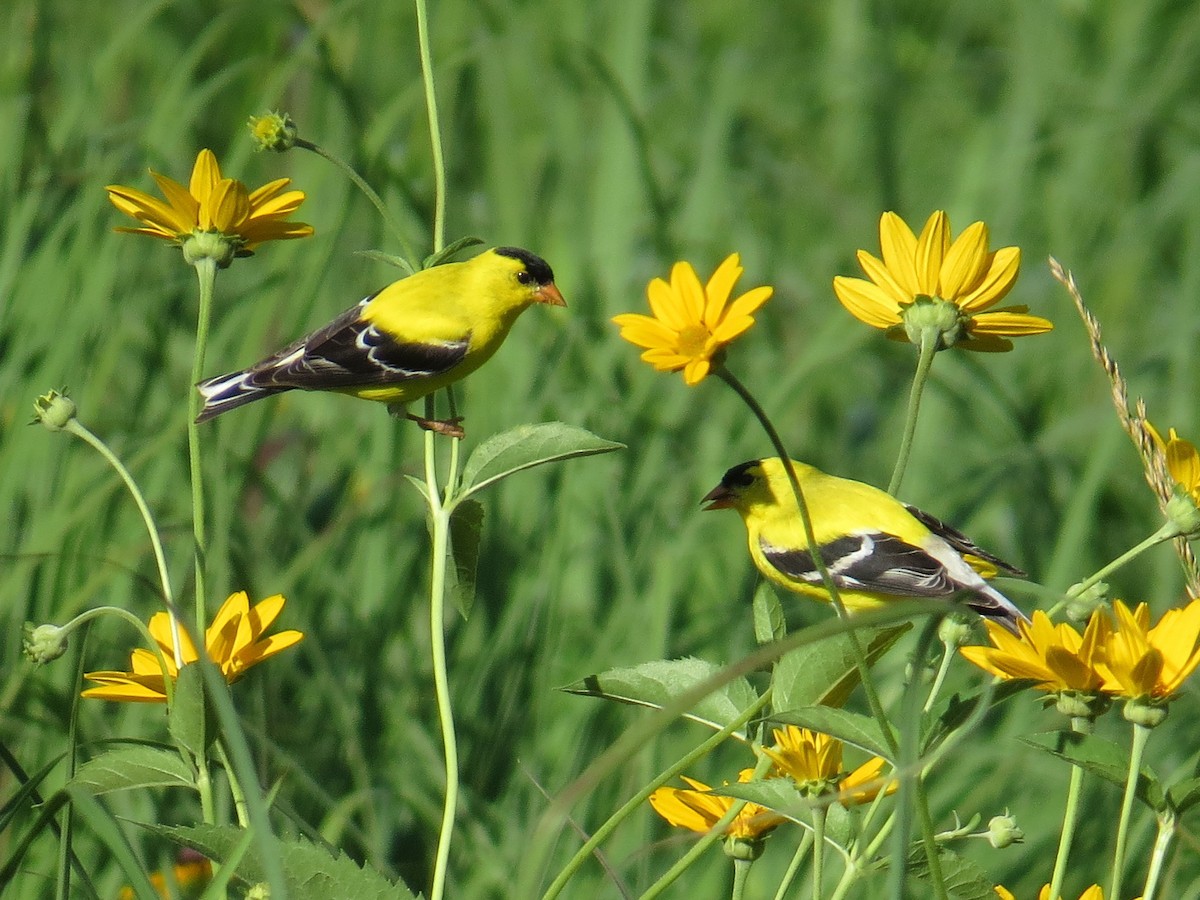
(54,409)
(1145,712)
(1082,604)
(1003,831)
(274,131)
(1183,514)
(43,643)
(955,630)
(1079,705)
(743,848)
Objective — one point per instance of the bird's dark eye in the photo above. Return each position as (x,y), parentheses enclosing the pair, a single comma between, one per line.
(524,277)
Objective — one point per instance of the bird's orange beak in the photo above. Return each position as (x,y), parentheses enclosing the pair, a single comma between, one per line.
(548,294)
(719,497)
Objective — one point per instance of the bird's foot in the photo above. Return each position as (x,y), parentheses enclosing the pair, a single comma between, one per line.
(448,427)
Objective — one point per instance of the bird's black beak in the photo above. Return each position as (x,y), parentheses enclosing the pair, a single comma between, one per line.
(549,294)
(719,497)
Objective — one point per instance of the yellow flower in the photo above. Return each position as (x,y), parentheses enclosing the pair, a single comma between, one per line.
(1095,892)
(692,323)
(192,874)
(213,204)
(234,642)
(1152,663)
(814,761)
(697,810)
(929,280)
(1183,461)
(1055,657)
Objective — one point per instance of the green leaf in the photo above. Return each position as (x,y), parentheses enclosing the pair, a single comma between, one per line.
(824,673)
(655,684)
(778,794)
(957,709)
(768,615)
(849,728)
(527,446)
(191,721)
(311,871)
(420,485)
(963,879)
(450,250)
(1101,758)
(1183,795)
(133,766)
(466,526)
(389,259)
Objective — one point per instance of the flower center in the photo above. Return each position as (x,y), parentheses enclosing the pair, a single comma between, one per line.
(693,340)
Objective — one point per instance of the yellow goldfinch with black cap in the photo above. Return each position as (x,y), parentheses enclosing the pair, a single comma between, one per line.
(874,547)
(416,335)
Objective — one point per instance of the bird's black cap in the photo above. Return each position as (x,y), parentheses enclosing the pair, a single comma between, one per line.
(534,265)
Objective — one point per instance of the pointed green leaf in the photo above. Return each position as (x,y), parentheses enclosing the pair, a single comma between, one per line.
(780,795)
(466,526)
(451,250)
(527,446)
(311,871)
(824,673)
(963,879)
(848,727)
(1183,795)
(133,766)
(191,721)
(1101,758)
(419,484)
(387,258)
(655,684)
(768,615)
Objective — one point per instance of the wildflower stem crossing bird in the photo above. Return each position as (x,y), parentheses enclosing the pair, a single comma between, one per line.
(874,547)
(416,335)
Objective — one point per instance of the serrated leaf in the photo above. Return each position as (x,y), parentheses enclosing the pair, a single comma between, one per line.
(133,766)
(957,709)
(768,615)
(1183,795)
(848,727)
(527,446)
(466,526)
(655,684)
(1101,758)
(191,719)
(824,673)
(311,871)
(387,258)
(963,879)
(452,249)
(780,795)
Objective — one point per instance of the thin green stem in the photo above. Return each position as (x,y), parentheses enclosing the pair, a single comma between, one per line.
(635,802)
(819,815)
(435,134)
(930,341)
(410,258)
(794,866)
(1168,531)
(96,611)
(235,787)
(1162,843)
(741,874)
(206,271)
(940,677)
(81,431)
(1141,734)
(1079,725)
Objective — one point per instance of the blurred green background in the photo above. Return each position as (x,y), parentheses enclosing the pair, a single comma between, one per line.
(611,138)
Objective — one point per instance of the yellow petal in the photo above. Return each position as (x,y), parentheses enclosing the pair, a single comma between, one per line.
(965,262)
(1003,323)
(1001,274)
(696,371)
(205,176)
(666,303)
(931,250)
(1183,463)
(645,331)
(685,283)
(867,302)
(899,249)
(181,201)
(719,289)
(882,276)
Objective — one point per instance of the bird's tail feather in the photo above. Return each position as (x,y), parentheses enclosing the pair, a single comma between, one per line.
(991,604)
(226,392)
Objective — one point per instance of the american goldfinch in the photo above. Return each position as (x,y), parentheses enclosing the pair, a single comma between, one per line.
(874,547)
(416,335)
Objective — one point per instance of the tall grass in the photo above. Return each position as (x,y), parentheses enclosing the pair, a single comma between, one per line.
(611,139)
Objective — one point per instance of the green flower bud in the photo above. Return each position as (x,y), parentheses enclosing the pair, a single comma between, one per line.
(43,643)
(54,409)
(1145,712)
(742,848)
(937,314)
(1183,514)
(1003,831)
(955,630)
(211,245)
(1082,604)
(274,131)
(1078,705)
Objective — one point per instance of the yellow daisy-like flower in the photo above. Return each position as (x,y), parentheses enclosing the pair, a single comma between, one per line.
(697,810)
(927,280)
(1183,461)
(1056,658)
(235,641)
(1095,892)
(192,875)
(814,761)
(692,323)
(213,205)
(1152,663)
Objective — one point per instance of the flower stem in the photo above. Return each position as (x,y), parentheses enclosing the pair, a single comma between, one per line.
(81,431)
(930,338)
(1166,834)
(1141,734)
(818,873)
(206,271)
(235,787)
(940,677)
(794,867)
(369,192)
(435,134)
(1168,531)
(1079,725)
(635,802)
(741,873)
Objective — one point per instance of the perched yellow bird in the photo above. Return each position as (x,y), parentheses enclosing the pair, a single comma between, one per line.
(416,335)
(874,547)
